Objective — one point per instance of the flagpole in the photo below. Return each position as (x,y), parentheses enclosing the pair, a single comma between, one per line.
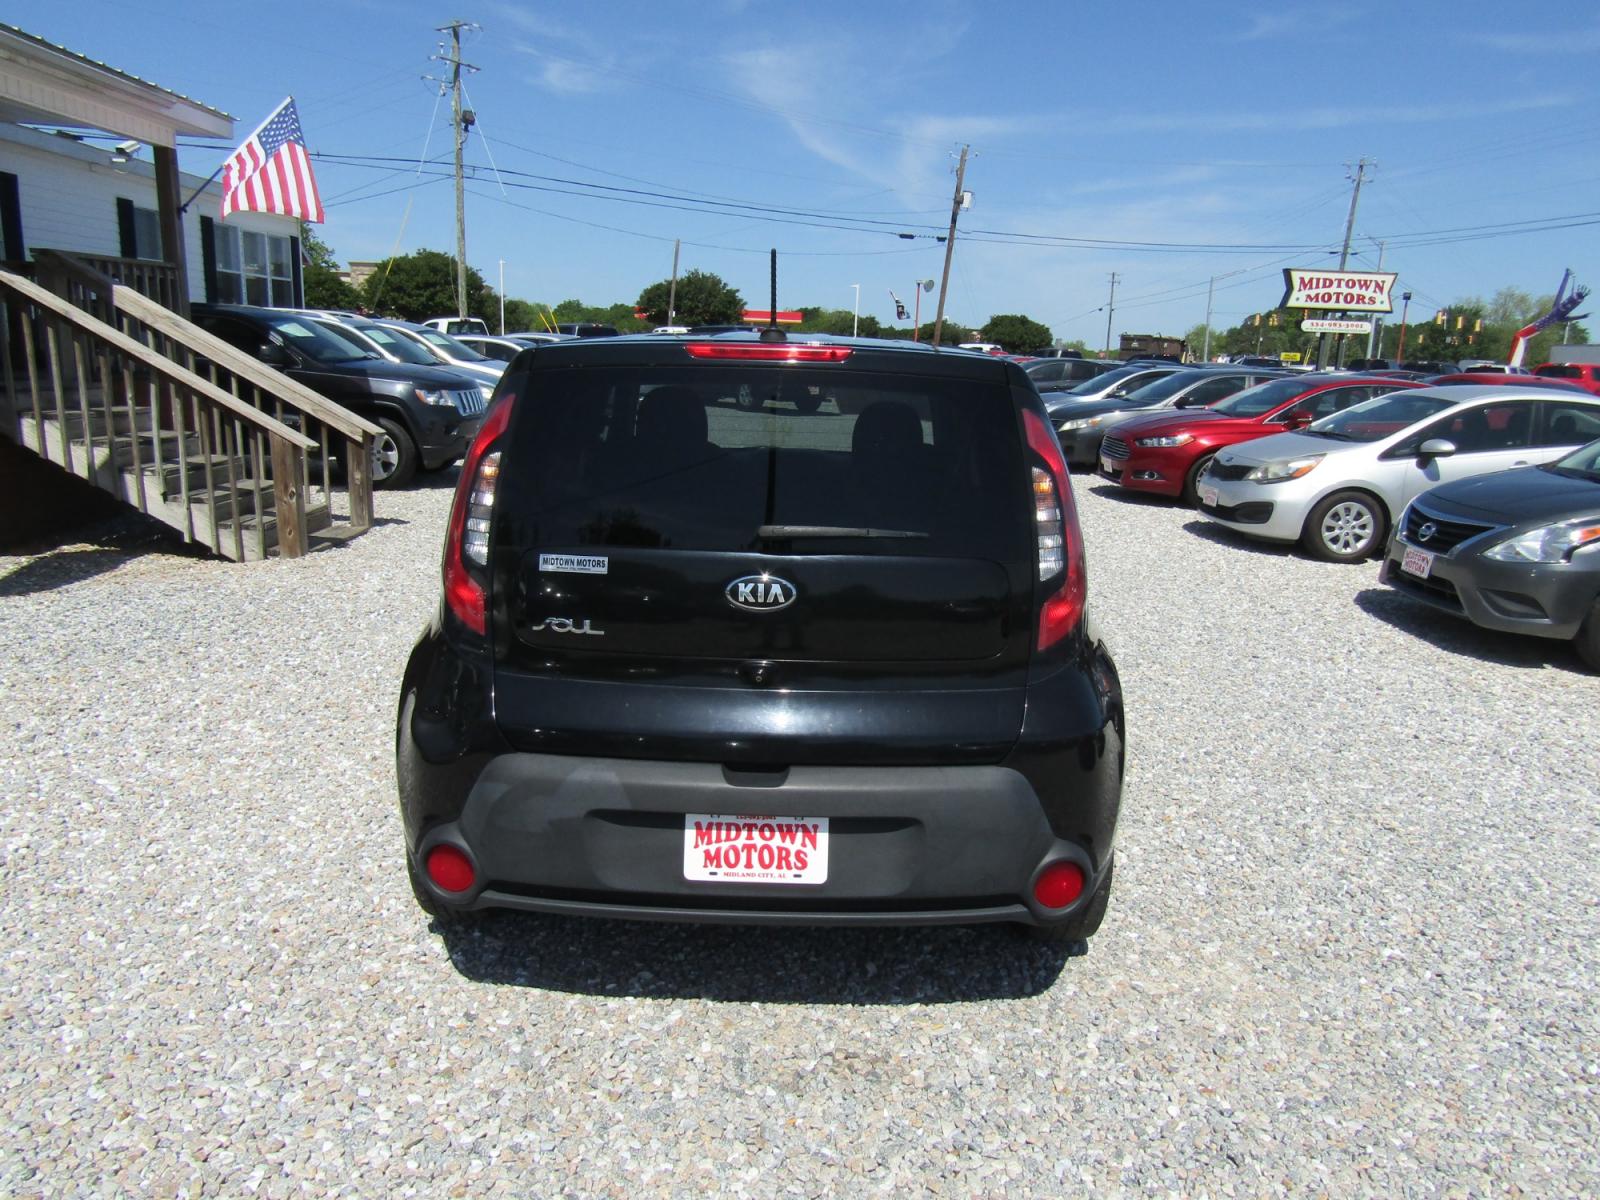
(182,208)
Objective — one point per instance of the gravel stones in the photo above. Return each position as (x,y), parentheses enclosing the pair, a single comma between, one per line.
(1352,949)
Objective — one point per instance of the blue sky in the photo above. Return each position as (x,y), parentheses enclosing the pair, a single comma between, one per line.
(1126,127)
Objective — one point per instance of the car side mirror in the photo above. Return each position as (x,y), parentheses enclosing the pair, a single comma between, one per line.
(1436,448)
(1300,418)
(273,355)
(1190,402)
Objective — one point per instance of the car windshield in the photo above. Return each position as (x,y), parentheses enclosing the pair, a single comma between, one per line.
(402,348)
(1105,381)
(1263,398)
(1163,388)
(1584,462)
(454,350)
(1375,419)
(319,343)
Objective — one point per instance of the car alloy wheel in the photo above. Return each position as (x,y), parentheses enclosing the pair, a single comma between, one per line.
(1344,528)
(385,457)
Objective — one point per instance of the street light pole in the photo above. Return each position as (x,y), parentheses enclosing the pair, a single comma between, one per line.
(1111,309)
(855,328)
(502,297)
(1205,354)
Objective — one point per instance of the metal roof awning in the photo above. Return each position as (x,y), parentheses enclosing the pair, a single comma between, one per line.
(45,84)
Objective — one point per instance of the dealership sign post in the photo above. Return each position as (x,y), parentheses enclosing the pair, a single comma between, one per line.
(1338,291)
(1318,289)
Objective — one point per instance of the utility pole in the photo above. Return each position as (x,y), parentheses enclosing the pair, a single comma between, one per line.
(950,243)
(672,289)
(855,325)
(502,297)
(1205,354)
(1344,255)
(1375,335)
(1111,310)
(461,121)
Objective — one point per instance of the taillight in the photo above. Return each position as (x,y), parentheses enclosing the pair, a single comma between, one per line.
(768,352)
(1060,539)
(466,547)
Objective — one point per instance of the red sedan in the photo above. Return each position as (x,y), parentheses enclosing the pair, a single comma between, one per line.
(1165,452)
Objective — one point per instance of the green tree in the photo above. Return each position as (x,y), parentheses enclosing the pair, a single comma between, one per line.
(840,321)
(702,299)
(522,316)
(320,275)
(1016,333)
(423,284)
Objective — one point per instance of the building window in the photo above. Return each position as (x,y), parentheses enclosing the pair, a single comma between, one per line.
(147,234)
(254,268)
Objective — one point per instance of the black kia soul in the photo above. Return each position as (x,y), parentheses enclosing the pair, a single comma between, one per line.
(822,658)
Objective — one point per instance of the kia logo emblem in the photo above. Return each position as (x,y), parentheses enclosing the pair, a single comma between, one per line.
(760,593)
(1425,534)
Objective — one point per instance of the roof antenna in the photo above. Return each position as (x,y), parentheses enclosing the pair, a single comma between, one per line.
(772,333)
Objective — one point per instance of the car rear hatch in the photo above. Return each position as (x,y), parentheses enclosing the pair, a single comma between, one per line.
(764,563)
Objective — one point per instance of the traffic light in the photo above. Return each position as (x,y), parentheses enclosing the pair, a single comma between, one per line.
(1272,318)
(1439,317)
(1256,319)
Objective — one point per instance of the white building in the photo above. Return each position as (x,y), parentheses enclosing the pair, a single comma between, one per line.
(87,192)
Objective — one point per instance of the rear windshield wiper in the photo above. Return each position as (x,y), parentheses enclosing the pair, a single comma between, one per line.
(769,532)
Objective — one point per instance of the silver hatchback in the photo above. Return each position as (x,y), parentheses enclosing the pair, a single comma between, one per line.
(1338,485)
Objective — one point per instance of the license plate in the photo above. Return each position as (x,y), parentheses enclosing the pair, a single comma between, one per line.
(1417,562)
(1109,469)
(1208,496)
(755,849)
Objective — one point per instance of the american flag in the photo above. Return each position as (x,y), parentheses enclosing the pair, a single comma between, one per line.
(271,172)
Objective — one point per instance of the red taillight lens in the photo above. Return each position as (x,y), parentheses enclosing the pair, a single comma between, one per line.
(450,869)
(768,352)
(1058,885)
(466,547)
(1060,539)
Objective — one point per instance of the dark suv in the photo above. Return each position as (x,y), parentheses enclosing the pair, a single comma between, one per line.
(820,659)
(428,414)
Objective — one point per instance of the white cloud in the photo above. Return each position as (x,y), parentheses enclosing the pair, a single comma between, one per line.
(1340,117)
(1541,42)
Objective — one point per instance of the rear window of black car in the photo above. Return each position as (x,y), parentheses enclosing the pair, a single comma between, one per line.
(716,459)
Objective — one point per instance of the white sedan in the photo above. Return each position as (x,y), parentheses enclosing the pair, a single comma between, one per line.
(1338,485)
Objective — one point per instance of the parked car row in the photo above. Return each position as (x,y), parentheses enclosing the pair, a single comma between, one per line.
(424,387)
(1483,499)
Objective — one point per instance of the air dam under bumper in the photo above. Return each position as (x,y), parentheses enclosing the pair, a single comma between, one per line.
(907,845)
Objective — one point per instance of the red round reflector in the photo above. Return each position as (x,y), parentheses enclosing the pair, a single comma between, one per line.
(1059,885)
(450,869)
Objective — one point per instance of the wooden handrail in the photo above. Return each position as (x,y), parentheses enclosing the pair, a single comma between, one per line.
(164,320)
(158,363)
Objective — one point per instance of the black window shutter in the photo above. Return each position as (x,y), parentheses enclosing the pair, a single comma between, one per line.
(299,279)
(11,219)
(125,230)
(208,256)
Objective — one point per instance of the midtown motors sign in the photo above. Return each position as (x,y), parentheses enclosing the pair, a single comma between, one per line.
(1338,291)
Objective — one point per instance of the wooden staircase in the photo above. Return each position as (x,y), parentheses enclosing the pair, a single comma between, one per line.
(127,395)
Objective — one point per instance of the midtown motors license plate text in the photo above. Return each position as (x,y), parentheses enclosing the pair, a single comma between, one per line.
(755,849)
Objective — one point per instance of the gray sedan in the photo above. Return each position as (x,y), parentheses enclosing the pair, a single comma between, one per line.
(1517,551)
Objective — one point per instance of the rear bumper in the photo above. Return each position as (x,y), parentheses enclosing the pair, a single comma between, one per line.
(907,845)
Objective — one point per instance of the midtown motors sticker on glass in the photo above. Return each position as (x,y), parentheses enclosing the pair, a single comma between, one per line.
(755,849)
(576,564)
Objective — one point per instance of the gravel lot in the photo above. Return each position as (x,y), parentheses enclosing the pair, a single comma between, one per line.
(1353,948)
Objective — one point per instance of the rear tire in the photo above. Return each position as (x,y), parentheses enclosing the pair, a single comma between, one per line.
(1346,527)
(394,455)
(1587,643)
(1191,481)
